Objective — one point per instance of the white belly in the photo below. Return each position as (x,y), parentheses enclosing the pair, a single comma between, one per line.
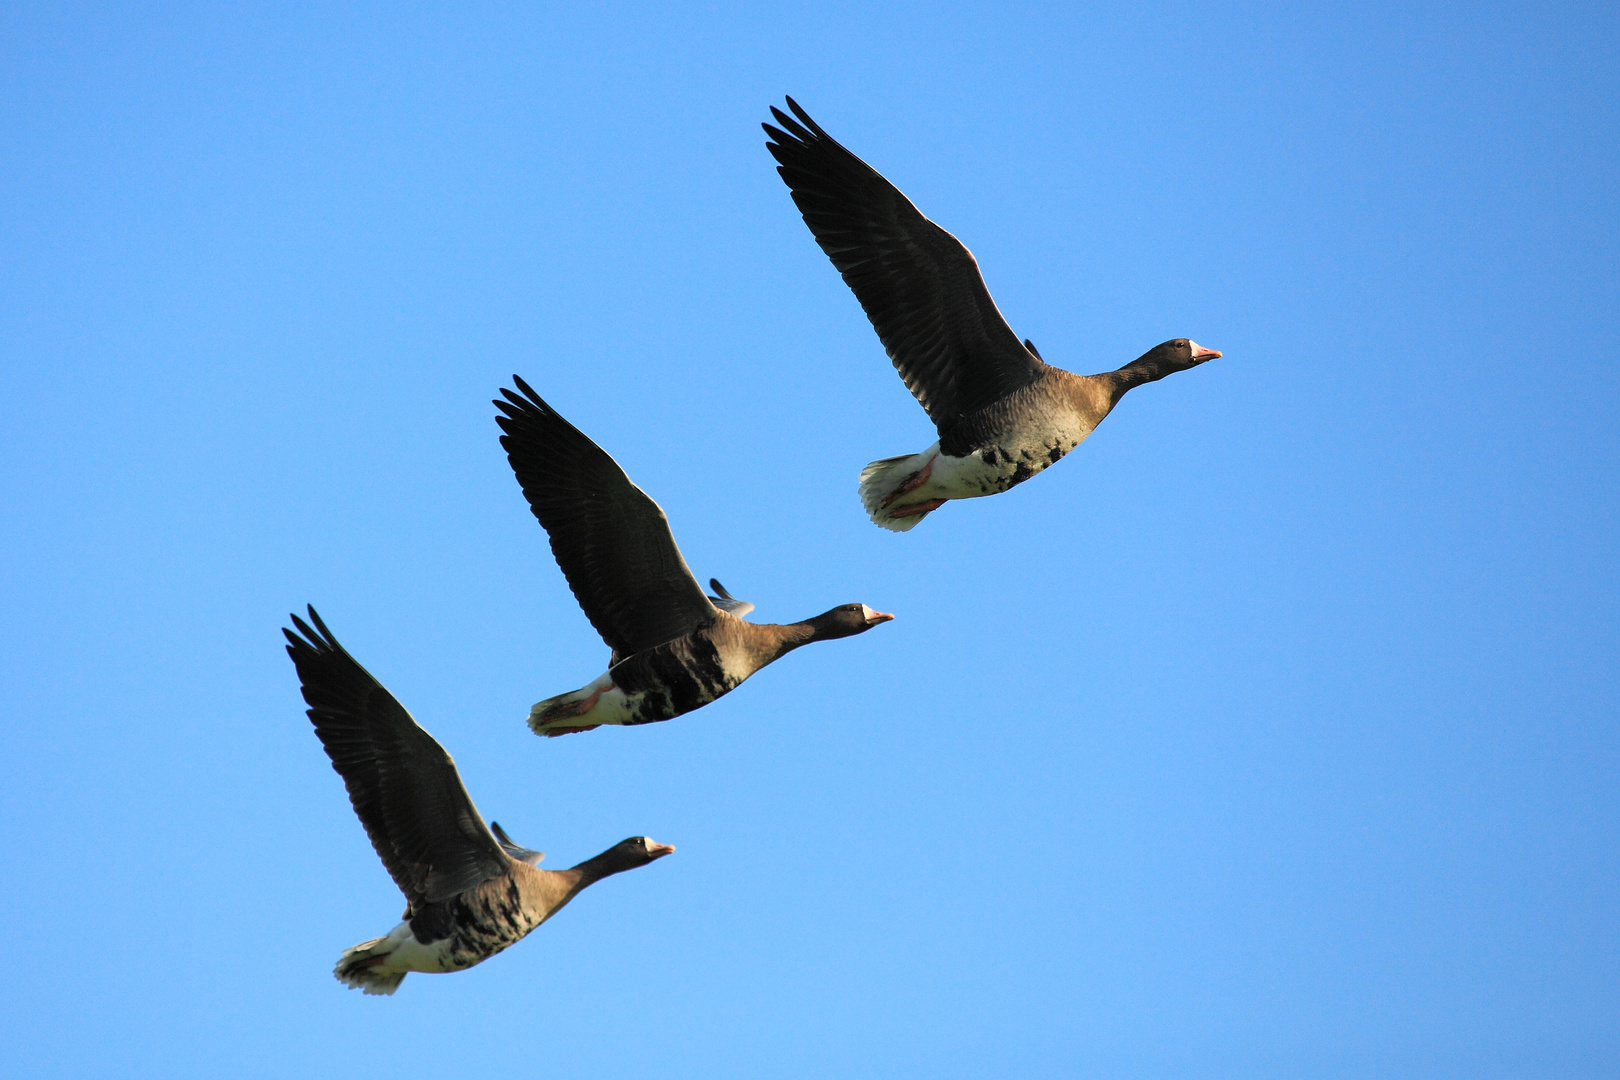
(405,953)
(601,702)
(990,470)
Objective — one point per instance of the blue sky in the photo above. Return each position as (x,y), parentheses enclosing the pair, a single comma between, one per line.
(1272,733)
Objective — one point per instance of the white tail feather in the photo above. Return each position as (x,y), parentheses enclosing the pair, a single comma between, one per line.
(881,478)
(363,967)
(539,721)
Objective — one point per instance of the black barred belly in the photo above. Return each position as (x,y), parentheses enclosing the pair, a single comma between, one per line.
(1013,467)
(673,678)
(479,923)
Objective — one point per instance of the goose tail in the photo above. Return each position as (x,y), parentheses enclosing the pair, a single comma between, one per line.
(365,967)
(580,710)
(882,479)
(559,715)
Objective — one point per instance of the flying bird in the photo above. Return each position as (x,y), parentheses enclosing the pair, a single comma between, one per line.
(469,890)
(674,649)
(1002,413)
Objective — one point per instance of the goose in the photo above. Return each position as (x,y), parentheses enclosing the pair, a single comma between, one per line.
(1002,413)
(674,649)
(469,890)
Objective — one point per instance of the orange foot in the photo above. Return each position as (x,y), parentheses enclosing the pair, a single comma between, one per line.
(573,708)
(917,480)
(918,508)
(553,732)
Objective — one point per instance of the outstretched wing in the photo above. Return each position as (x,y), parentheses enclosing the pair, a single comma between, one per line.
(402,783)
(920,287)
(515,849)
(612,541)
(726,602)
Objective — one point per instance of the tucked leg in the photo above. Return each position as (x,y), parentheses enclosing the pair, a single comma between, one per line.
(912,484)
(574,708)
(918,508)
(553,732)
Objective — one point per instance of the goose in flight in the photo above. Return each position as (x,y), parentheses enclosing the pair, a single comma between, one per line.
(1002,414)
(674,649)
(469,890)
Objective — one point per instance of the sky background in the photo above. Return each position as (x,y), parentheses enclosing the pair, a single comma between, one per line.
(1272,734)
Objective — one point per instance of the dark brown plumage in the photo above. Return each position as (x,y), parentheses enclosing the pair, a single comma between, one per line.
(470,892)
(673,648)
(917,283)
(611,540)
(1002,413)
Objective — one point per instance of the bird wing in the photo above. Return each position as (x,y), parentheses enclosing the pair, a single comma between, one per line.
(726,602)
(612,541)
(515,849)
(920,287)
(402,783)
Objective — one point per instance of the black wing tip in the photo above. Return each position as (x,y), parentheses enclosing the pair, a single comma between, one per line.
(528,405)
(315,617)
(306,638)
(781,145)
(800,130)
(319,639)
(525,414)
(798,110)
(527,401)
(527,389)
(511,413)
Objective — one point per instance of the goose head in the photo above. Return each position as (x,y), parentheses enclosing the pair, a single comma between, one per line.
(625,855)
(1178,354)
(846,620)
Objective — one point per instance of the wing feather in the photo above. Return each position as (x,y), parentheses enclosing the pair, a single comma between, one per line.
(612,541)
(917,283)
(515,849)
(726,602)
(403,785)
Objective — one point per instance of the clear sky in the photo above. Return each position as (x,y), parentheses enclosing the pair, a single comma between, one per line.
(1270,734)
